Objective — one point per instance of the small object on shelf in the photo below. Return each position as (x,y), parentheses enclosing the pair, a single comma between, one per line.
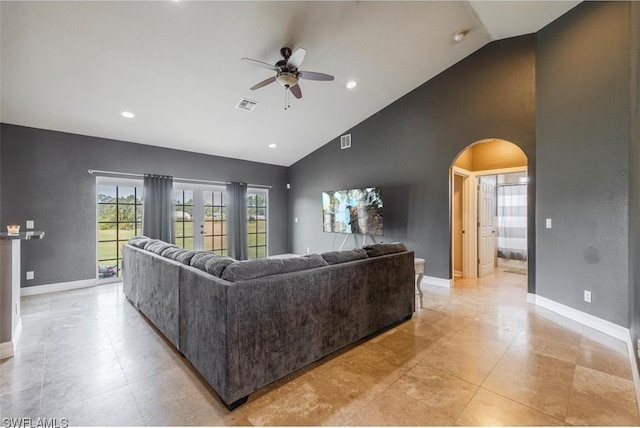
(13,229)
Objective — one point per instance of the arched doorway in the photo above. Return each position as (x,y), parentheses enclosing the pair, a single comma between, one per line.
(488,209)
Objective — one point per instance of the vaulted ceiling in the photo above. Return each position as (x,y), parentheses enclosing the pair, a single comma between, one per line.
(75,66)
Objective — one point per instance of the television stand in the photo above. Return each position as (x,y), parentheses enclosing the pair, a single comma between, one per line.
(364,240)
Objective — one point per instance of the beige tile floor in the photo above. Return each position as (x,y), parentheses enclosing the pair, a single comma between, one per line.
(476,354)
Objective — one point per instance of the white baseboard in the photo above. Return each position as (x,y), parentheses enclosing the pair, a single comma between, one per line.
(60,286)
(594,322)
(6,350)
(634,368)
(438,282)
(531,298)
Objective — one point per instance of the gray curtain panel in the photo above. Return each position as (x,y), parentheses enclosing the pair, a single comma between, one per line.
(157,208)
(237,246)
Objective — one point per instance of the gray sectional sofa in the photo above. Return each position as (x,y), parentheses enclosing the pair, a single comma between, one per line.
(245,324)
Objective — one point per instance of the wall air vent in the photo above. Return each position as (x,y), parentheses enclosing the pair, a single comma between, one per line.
(345,141)
(246,105)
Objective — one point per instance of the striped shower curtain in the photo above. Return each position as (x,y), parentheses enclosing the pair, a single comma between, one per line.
(512,221)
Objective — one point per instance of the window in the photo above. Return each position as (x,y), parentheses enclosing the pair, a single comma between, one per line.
(183,217)
(257,222)
(215,222)
(119,218)
(200,217)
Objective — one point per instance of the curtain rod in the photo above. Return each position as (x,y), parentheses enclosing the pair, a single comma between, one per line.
(189,180)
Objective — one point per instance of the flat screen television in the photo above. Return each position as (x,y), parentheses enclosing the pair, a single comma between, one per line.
(353,211)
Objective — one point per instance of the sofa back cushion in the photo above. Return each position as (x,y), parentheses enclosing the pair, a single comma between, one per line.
(335,257)
(139,241)
(216,265)
(178,254)
(250,269)
(200,258)
(375,250)
(157,246)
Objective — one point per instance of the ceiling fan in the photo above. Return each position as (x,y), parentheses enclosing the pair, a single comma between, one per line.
(287,71)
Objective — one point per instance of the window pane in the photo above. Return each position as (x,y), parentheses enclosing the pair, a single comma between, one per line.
(107,231)
(107,250)
(106,194)
(262,239)
(188,244)
(261,226)
(106,212)
(108,268)
(126,231)
(127,213)
(126,195)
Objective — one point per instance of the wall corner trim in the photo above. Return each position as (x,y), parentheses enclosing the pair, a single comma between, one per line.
(60,286)
(438,282)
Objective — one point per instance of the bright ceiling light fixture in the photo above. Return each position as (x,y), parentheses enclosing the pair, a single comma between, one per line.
(272,146)
(459,36)
(128,114)
(351,84)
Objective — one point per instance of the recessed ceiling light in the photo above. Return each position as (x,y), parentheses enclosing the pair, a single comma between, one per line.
(351,84)
(459,36)
(272,146)
(128,114)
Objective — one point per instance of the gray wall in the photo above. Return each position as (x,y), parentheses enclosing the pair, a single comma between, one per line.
(408,148)
(634,181)
(45,178)
(583,135)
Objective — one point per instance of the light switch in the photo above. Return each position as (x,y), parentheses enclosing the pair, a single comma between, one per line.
(30,224)
(548,223)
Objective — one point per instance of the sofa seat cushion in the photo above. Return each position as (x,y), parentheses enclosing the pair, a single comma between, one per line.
(250,269)
(335,257)
(139,241)
(375,250)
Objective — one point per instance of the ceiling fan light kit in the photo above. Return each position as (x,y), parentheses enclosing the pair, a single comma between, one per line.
(287,73)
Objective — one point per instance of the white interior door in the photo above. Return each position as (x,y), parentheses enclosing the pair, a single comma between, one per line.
(486,229)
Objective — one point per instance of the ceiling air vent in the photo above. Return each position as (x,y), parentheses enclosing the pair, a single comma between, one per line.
(246,105)
(345,141)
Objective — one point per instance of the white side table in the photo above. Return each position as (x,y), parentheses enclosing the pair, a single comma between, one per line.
(419,268)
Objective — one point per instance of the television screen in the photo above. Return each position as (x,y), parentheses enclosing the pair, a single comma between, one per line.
(353,211)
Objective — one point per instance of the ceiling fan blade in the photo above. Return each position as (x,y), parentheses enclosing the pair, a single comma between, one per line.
(296,91)
(260,64)
(312,75)
(263,83)
(296,58)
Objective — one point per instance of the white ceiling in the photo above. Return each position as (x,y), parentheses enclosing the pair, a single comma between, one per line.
(75,66)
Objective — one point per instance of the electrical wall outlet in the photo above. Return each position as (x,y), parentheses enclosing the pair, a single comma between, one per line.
(30,274)
(638,348)
(548,223)
(308,250)
(587,296)
(30,224)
